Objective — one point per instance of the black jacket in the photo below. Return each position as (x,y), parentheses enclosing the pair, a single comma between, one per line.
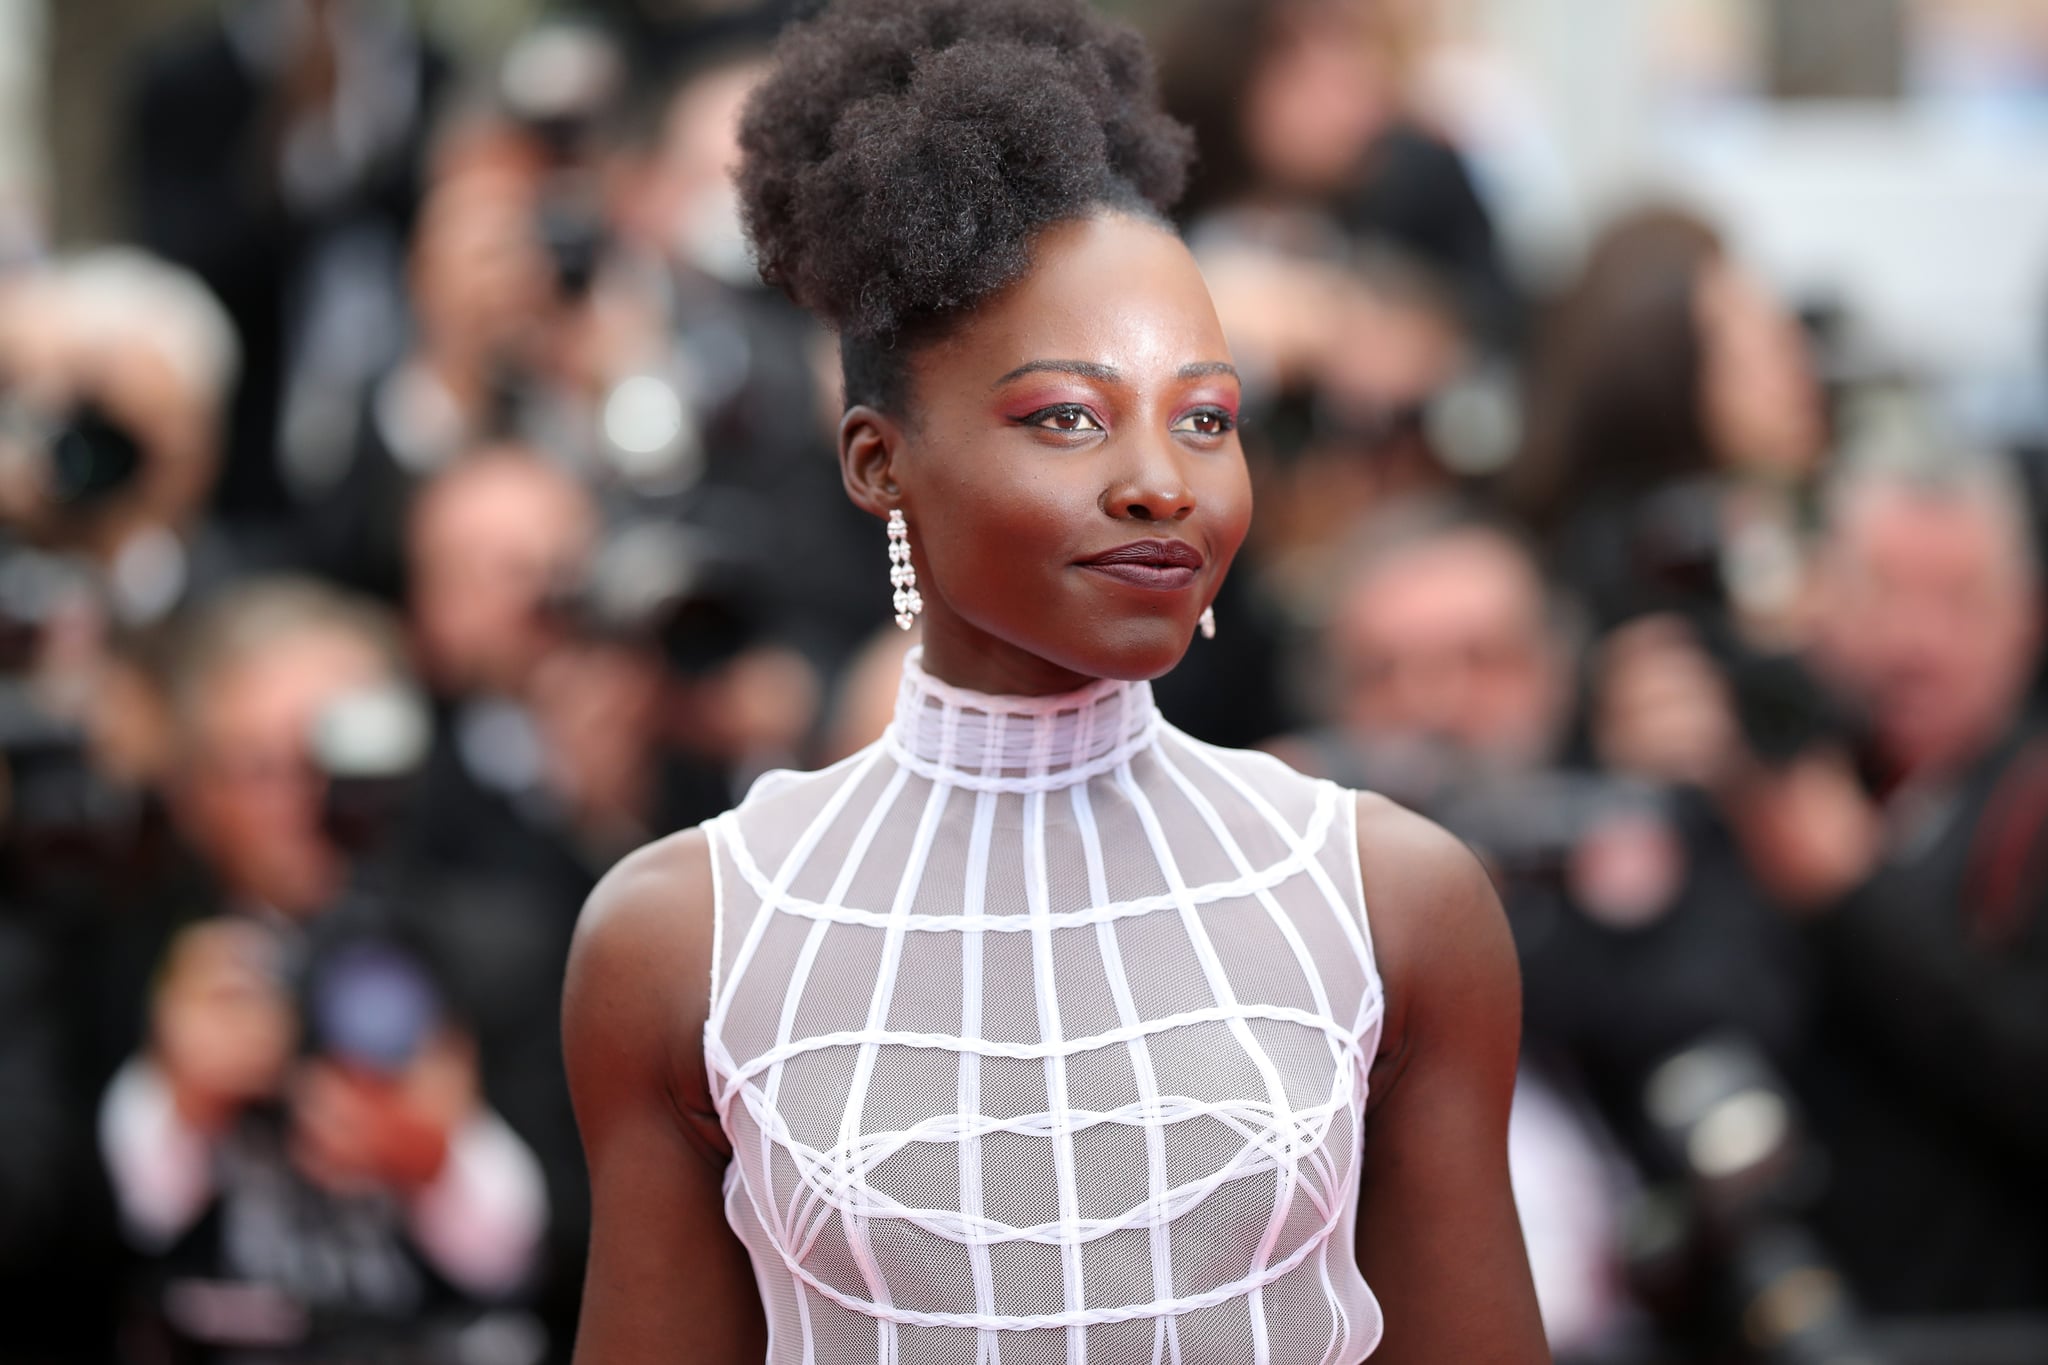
(1933,1096)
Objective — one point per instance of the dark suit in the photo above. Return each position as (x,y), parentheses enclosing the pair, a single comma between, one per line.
(1933,1101)
(204,189)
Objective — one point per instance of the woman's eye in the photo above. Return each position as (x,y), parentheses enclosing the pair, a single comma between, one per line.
(1065,417)
(1207,422)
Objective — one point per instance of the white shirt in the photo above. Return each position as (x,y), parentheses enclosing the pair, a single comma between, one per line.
(479,1223)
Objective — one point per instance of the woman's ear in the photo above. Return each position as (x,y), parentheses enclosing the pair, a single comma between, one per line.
(868,442)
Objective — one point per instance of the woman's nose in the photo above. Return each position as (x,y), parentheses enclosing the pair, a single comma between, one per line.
(1155,491)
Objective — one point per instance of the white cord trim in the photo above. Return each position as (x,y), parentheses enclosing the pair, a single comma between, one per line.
(783,1051)
(1166,1333)
(1018,1322)
(833,1179)
(1003,780)
(1306,849)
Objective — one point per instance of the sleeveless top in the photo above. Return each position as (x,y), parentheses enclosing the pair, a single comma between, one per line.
(1041,1033)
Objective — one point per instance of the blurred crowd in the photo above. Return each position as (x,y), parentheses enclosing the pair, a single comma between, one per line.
(426,504)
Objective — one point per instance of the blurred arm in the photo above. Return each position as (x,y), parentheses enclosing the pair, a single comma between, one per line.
(1438,1238)
(665,1268)
(160,1166)
(481,1221)
(1961,1012)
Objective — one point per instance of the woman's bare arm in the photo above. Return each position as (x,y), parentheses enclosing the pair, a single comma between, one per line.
(1438,1238)
(668,1280)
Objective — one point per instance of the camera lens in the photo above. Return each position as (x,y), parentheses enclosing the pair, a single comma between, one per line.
(92,456)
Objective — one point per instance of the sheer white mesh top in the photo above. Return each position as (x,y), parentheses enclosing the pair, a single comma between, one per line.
(1041,1033)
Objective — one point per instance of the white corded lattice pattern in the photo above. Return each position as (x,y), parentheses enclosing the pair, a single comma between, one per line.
(1041,1033)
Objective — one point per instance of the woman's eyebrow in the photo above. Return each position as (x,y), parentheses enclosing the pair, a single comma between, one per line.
(1087,369)
(1109,374)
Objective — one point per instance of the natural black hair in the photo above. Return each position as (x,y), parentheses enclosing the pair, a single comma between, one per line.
(903,154)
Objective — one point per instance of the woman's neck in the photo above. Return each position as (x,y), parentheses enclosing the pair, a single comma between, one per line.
(979,662)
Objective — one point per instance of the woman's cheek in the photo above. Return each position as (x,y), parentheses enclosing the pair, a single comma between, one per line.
(1005,545)
(1228,504)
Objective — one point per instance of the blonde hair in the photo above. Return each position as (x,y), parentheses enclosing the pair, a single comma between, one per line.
(124,290)
(260,616)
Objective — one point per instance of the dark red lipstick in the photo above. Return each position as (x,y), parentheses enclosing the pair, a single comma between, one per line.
(1158,564)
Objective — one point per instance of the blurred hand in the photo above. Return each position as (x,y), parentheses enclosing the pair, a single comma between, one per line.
(1661,709)
(223,1026)
(1809,831)
(354,1130)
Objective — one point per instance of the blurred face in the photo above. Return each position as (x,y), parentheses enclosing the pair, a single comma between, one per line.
(1759,397)
(1388,353)
(1448,641)
(689,205)
(1321,92)
(248,794)
(1070,469)
(1930,621)
(490,540)
(481,281)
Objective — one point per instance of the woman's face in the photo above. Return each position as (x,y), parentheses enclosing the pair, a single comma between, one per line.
(1068,466)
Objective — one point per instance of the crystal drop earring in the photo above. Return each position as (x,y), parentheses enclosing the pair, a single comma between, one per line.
(902,576)
(1208,623)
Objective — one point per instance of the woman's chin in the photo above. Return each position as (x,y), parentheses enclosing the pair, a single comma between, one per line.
(1130,650)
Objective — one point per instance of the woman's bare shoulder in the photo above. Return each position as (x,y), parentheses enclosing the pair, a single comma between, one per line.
(639,981)
(651,914)
(1440,937)
(1412,866)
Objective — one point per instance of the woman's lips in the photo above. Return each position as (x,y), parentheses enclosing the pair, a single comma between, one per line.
(1163,577)
(1162,565)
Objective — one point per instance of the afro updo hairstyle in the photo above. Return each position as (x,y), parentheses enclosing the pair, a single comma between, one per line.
(903,154)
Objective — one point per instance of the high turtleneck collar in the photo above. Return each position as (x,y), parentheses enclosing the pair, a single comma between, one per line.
(981,740)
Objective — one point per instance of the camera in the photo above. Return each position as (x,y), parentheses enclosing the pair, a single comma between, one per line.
(81,458)
(367,997)
(63,822)
(656,583)
(560,82)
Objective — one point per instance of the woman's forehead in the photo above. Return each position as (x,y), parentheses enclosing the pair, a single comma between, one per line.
(1112,290)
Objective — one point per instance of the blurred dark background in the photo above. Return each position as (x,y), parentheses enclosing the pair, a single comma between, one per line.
(410,502)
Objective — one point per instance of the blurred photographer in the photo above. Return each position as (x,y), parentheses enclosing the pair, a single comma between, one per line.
(575,676)
(490,317)
(115,369)
(1918,865)
(114,375)
(1448,682)
(1314,110)
(1675,423)
(753,382)
(299,1148)
(589,694)
(274,147)
(1351,360)
(1355,363)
